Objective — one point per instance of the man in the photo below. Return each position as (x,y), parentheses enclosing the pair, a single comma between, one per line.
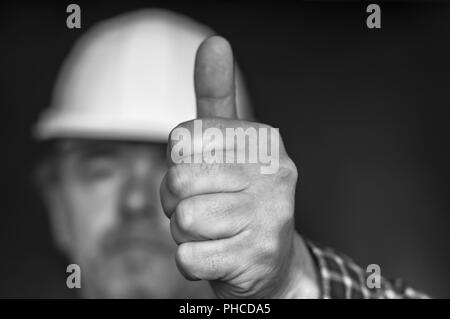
(131,84)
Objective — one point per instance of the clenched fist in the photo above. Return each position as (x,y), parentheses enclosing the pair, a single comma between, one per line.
(234,226)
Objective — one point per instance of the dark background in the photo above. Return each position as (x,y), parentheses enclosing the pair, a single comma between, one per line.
(364,114)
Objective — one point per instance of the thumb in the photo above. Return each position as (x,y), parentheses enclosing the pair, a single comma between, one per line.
(214,79)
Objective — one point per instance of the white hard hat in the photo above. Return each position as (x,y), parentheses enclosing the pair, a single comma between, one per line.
(129,78)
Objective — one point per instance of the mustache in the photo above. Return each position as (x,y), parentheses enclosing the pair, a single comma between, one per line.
(131,235)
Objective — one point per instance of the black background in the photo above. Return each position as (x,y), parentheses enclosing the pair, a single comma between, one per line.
(363,114)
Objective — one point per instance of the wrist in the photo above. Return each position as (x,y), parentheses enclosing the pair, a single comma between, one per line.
(302,280)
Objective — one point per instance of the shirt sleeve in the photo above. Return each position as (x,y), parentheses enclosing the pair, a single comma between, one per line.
(341,278)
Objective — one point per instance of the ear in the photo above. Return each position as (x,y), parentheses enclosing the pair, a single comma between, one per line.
(47,183)
(58,217)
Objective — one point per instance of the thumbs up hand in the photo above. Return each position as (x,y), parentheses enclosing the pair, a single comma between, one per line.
(234,226)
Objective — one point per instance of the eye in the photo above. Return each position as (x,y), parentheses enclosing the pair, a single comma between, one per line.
(99,165)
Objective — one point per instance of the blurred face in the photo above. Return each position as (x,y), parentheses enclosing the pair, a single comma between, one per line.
(115,229)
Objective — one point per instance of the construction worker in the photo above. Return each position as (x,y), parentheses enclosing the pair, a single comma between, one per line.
(140,224)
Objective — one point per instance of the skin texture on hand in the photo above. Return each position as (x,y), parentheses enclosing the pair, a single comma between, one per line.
(233,225)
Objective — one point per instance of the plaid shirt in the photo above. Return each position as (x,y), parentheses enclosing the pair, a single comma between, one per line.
(341,278)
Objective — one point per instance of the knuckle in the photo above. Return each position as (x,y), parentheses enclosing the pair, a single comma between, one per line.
(186,263)
(182,126)
(265,125)
(184,215)
(177,181)
(179,134)
(287,170)
(183,256)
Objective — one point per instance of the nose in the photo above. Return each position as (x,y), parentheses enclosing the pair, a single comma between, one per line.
(139,194)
